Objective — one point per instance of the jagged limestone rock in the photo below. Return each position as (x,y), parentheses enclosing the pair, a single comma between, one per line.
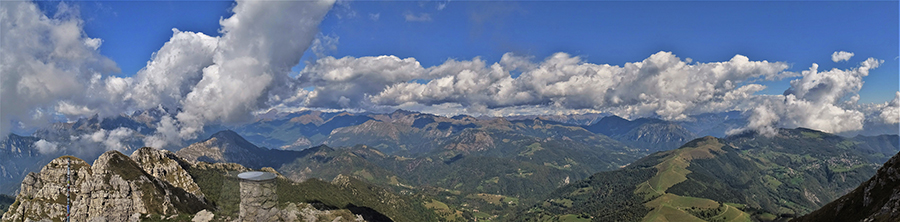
(115,188)
(165,165)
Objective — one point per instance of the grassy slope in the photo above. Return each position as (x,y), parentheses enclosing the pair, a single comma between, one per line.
(673,170)
(707,179)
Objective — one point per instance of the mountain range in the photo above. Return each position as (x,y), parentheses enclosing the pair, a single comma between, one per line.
(463,168)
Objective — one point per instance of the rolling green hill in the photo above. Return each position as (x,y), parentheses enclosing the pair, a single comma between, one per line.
(737,178)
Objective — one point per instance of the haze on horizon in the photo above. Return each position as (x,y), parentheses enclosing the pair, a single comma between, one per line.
(831,67)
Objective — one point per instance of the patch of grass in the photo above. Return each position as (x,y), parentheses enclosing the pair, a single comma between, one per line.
(494,199)
(531,149)
(364,174)
(682,202)
(573,218)
(841,169)
(667,213)
(394,181)
(771,182)
(563,167)
(562,202)
(731,214)
(481,216)
(437,205)
(767,217)
(736,205)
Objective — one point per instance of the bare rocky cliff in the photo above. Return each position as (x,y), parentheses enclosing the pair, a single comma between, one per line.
(165,165)
(114,188)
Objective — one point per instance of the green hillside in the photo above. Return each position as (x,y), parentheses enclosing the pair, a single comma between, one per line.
(739,178)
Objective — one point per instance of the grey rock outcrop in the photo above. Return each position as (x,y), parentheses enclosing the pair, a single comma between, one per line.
(165,165)
(115,188)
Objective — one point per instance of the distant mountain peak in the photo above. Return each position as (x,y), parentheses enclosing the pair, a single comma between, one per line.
(613,118)
(403,112)
(225,134)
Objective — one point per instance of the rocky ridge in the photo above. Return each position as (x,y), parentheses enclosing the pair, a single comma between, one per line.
(165,165)
(151,184)
(114,188)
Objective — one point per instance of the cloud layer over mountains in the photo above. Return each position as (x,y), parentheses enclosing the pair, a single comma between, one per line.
(50,67)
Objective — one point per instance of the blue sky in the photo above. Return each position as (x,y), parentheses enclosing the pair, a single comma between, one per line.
(602,32)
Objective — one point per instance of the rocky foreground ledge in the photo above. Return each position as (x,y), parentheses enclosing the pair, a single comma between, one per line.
(114,188)
(151,184)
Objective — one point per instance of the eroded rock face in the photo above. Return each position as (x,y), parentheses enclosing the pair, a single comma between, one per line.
(115,188)
(163,164)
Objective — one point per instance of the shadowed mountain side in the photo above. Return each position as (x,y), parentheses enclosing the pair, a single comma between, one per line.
(879,148)
(18,156)
(877,199)
(229,147)
(645,133)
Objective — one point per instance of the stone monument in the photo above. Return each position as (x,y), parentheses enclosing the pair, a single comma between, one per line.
(258,197)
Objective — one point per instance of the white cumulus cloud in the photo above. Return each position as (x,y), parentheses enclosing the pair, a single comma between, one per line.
(890,114)
(44,60)
(818,101)
(259,45)
(172,71)
(46,147)
(354,78)
(653,87)
(838,56)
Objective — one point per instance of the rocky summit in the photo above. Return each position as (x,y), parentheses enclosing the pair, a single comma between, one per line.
(165,165)
(114,188)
